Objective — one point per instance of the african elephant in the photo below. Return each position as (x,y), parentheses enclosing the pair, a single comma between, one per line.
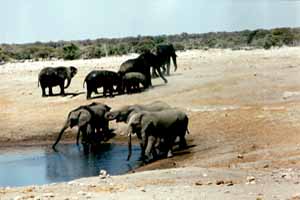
(151,127)
(53,76)
(142,64)
(164,53)
(131,81)
(88,118)
(101,78)
(124,113)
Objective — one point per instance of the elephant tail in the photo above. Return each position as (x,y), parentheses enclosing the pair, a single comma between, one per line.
(187,131)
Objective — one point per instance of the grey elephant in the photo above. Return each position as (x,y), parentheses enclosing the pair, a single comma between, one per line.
(123,114)
(90,120)
(142,64)
(56,76)
(153,127)
(131,81)
(102,78)
(164,53)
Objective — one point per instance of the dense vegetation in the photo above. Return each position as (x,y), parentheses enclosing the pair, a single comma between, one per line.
(86,49)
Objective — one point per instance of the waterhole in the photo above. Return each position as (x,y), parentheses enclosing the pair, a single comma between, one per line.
(41,165)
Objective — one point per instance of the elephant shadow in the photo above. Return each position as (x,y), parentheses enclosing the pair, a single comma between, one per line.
(71,94)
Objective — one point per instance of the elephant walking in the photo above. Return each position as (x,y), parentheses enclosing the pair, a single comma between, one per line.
(56,76)
(102,78)
(153,127)
(164,53)
(88,118)
(143,65)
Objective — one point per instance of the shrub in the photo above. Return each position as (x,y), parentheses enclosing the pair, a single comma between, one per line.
(71,52)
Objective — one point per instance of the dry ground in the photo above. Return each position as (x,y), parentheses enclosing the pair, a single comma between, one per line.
(244,109)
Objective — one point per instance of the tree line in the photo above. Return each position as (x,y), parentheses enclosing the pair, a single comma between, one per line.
(87,49)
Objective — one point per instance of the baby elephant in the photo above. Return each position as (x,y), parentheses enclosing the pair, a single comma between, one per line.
(101,78)
(132,81)
(56,76)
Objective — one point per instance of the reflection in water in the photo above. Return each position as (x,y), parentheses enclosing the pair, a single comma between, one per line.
(40,165)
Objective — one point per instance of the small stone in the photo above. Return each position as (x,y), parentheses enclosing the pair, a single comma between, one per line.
(209,183)
(48,195)
(266,166)
(229,183)
(250,180)
(240,156)
(204,175)
(220,182)
(143,189)
(198,183)
(82,193)
(103,174)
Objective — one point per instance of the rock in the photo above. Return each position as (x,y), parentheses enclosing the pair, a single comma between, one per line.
(198,183)
(48,195)
(250,180)
(266,166)
(229,183)
(103,174)
(220,182)
(240,156)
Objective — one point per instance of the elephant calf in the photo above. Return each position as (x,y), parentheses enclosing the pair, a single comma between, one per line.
(101,78)
(131,81)
(152,127)
(55,76)
(88,118)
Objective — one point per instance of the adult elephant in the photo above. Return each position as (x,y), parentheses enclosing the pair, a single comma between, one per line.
(102,78)
(123,114)
(143,65)
(151,127)
(56,76)
(88,118)
(164,53)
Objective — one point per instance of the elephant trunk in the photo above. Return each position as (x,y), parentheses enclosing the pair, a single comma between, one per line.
(68,82)
(60,134)
(129,146)
(174,61)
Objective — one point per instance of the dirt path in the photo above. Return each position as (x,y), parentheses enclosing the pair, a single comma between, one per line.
(244,109)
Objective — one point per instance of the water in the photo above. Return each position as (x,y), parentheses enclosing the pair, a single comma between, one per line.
(40,165)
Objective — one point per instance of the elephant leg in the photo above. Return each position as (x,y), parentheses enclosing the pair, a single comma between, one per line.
(154,73)
(168,66)
(77,137)
(182,142)
(43,91)
(161,75)
(111,91)
(104,91)
(149,148)
(62,89)
(50,91)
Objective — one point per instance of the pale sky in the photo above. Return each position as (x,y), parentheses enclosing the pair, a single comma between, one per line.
(52,20)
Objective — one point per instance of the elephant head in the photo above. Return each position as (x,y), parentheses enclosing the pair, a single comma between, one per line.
(143,125)
(80,117)
(71,72)
(120,115)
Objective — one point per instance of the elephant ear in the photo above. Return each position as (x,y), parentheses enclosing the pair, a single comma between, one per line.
(84,117)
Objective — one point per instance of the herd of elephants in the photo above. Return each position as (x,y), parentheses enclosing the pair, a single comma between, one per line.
(158,126)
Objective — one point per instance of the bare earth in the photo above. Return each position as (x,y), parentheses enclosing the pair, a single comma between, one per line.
(244,110)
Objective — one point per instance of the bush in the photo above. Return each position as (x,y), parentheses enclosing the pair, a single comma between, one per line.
(71,52)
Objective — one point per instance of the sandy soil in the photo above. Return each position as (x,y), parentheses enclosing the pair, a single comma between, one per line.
(244,109)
